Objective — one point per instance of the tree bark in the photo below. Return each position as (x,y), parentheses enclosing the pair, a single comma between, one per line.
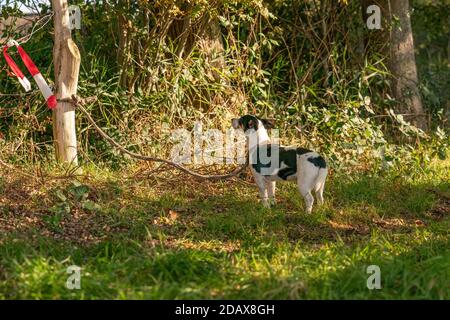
(66,60)
(403,64)
(203,34)
(211,45)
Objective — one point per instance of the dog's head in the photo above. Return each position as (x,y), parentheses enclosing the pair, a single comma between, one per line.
(248,123)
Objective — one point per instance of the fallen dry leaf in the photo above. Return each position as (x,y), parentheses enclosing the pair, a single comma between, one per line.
(173,215)
(419,223)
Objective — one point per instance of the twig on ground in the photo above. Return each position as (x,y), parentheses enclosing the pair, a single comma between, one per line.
(79,103)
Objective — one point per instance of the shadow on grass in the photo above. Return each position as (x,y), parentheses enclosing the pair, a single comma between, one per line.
(229,212)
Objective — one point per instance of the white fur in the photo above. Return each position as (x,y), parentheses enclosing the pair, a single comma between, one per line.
(255,137)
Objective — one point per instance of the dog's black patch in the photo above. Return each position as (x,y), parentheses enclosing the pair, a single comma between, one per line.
(301,151)
(287,159)
(318,161)
(286,172)
(256,162)
(251,122)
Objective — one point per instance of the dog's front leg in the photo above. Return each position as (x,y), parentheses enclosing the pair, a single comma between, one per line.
(260,181)
(271,185)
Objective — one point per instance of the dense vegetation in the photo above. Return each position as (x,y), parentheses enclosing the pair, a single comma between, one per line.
(158,65)
(143,231)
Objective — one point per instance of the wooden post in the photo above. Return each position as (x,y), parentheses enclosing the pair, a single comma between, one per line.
(66,60)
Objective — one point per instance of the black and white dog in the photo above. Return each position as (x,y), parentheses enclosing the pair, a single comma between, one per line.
(273,162)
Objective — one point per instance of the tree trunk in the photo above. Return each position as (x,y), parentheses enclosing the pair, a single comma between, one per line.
(66,59)
(403,64)
(203,34)
(211,45)
(123,52)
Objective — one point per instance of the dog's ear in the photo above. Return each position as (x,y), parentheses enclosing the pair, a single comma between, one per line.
(268,123)
(235,123)
(252,124)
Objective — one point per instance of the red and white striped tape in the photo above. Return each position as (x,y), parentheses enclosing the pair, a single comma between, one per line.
(50,98)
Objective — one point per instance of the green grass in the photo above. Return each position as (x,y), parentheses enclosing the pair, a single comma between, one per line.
(152,239)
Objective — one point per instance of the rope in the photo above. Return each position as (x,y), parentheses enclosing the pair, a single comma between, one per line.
(27,38)
(22,94)
(78,103)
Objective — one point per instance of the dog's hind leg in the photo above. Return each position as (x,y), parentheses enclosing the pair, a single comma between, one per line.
(320,185)
(309,199)
(305,186)
(306,181)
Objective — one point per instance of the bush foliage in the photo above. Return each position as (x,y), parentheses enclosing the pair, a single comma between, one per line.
(164,64)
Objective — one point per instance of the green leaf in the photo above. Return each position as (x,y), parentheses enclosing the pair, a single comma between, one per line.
(60,195)
(91,206)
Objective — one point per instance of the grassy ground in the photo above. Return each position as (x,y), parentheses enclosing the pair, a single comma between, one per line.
(155,239)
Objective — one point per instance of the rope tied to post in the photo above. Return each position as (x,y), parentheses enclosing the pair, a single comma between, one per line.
(79,104)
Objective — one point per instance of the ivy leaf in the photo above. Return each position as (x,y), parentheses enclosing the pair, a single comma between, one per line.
(91,206)
(60,195)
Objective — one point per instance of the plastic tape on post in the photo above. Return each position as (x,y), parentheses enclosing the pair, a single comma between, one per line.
(50,98)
